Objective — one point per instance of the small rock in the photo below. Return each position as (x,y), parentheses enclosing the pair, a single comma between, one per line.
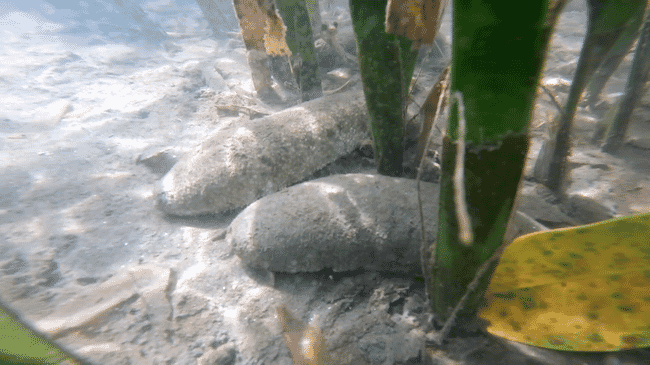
(588,210)
(223,355)
(340,74)
(219,339)
(536,201)
(639,142)
(196,352)
(159,162)
(366,150)
(557,83)
(521,224)
(188,306)
(612,360)
(590,192)
(213,78)
(430,170)
(375,349)
(341,222)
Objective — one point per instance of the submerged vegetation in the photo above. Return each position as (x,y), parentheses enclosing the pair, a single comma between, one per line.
(493,95)
(603,267)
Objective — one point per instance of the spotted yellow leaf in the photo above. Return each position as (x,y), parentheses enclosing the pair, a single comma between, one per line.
(584,288)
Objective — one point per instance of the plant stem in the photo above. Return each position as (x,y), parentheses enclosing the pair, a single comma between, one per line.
(386,63)
(499,87)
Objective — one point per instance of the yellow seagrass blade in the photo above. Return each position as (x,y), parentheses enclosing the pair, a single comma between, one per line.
(584,288)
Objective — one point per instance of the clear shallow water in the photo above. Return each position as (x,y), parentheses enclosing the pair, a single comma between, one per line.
(49,54)
(78,104)
(83,95)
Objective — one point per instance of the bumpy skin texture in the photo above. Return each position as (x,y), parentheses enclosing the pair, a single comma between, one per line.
(340,222)
(244,162)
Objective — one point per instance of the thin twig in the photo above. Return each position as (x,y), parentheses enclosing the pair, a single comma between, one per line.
(242,108)
(553,98)
(341,88)
(442,54)
(329,36)
(417,77)
(418,178)
(462,215)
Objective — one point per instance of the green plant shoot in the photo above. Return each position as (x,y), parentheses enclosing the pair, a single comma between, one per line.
(497,59)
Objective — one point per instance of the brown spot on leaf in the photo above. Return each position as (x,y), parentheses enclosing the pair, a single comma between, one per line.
(574,255)
(506,295)
(527,303)
(515,326)
(596,338)
(619,258)
(556,340)
(626,308)
(631,339)
(617,295)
